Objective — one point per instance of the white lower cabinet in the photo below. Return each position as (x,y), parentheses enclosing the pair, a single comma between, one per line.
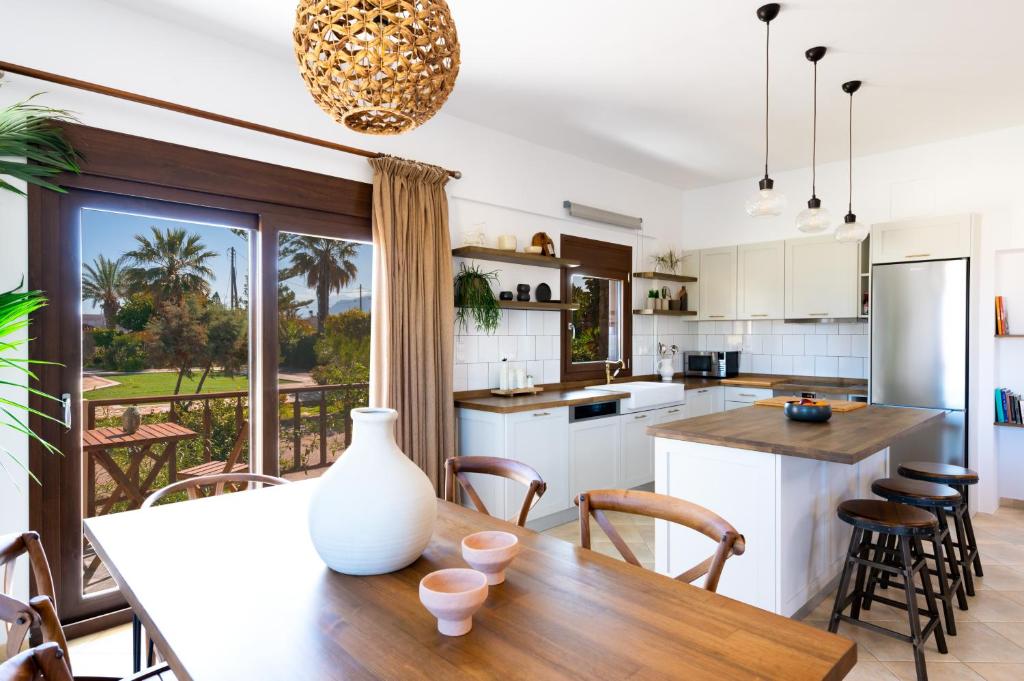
(537,438)
(737,397)
(636,454)
(593,455)
(704,401)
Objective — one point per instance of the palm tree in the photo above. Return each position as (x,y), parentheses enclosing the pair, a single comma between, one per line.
(171,264)
(104,282)
(27,131)
(325,263)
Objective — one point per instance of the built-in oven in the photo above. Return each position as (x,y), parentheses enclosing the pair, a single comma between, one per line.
(711,364)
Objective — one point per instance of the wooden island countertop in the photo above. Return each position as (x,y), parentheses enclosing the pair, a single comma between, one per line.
(847,438)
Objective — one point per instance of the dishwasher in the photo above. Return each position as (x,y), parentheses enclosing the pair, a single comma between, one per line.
(594,433)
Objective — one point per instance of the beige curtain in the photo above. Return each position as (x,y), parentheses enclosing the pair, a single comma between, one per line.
(411,354)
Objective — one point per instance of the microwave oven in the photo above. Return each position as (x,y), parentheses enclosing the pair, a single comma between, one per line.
(711,364)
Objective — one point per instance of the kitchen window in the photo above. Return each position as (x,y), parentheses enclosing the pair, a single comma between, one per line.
(600,328)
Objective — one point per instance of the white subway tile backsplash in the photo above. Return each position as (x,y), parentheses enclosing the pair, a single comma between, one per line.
(460,376)
(803,366)
(488,349)
(772,345)
(494,374)
(782,364)
(850,367)
(535,323)
(643,366)
(816,345)
(826,329)
(516,322)
(476,376)
(705,328)
(861,346)
(779,326)
(746,363)
(853,328)
(752,344)
(507,346)
(826,366)
(525,348)
(734,342)
(723,328)
(762,364)
(793,345)
(761,326)
(552,371)
(546,347)
(536,369)
(466,349)
(839,346)
(552,323)
(716,342)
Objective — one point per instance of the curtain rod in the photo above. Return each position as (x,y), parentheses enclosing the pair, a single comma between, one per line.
(189,111)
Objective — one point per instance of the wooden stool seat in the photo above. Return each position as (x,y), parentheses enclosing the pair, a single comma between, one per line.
(943,473)
(916,492)
(210,468)
(887,517)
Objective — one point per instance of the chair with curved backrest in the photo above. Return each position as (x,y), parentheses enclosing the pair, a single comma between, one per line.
(193,486)
(457,468)
(42,663)
(662,507)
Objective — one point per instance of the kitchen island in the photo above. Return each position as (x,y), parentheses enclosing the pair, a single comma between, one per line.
(778,482)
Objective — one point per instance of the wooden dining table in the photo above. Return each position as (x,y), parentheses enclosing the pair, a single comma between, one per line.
(231,588)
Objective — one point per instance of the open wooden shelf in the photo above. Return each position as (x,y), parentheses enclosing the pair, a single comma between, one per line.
(1008,425)
(681,278)
(1009,335)
(668,313)
(515,257)
(534,305)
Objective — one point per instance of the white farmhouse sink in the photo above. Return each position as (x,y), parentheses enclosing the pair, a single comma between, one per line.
(644,394)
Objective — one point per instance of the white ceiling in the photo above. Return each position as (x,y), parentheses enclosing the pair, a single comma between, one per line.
(672,89)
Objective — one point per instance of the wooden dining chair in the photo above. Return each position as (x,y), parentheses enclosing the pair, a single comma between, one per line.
(42,663)
(662,507)
(457,468)
(218,481)
(229,465)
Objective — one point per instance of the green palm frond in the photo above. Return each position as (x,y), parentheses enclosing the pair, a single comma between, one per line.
(27,131)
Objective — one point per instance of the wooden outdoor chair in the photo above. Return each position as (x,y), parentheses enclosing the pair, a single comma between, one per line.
(40,612)
(662,507)
(230,465)
(457,467)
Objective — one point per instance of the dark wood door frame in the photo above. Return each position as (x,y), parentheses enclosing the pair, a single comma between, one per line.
(278,198)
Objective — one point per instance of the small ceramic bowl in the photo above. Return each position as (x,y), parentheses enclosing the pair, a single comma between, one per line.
(535,250)
(452,596)
(490,553)
(807,412)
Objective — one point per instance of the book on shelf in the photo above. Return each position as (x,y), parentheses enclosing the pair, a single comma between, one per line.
(1008,407)
(1002,325)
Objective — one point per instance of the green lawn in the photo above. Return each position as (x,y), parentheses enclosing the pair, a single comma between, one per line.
(144,385)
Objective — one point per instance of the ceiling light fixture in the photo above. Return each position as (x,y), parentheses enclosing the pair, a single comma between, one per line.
(851,230)
(814,218)
(767,201)
(380,67)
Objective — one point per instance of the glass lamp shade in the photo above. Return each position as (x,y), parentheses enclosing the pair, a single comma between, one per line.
(766,201)
(851,230)
(814,218)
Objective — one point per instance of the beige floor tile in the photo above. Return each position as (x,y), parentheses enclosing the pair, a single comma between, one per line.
(888,649)
(980,642)
(1000,552)
(870,670)
(993,671)
(1014,631)
(993,606)
(1000,578)
(937,671)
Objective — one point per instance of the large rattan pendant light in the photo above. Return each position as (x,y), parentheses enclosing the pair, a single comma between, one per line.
(380,67)
(766,201)
(850,229)
(814,218)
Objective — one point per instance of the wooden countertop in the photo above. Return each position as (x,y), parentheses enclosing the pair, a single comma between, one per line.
(549,399)
(847,438)
(564,613)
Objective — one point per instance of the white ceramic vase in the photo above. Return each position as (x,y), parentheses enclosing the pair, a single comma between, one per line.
(374,510)
(665,369)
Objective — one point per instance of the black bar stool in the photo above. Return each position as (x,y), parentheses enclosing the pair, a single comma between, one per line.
(959,478)
(908,525)
(937,499)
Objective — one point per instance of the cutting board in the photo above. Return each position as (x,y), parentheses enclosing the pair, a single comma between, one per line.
(837,405)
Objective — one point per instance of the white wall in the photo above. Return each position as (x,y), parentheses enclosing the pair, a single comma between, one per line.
(980,174)
(510,184)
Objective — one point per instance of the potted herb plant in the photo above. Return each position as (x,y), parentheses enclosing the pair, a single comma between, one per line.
(667,262)
(474,298)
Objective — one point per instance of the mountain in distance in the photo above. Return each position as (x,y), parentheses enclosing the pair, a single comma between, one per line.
(344,305)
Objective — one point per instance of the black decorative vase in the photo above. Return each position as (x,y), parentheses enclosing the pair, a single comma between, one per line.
(505,295)
(543,293)
(524,293)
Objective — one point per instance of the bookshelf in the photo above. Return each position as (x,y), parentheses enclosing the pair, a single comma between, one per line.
(1008,356)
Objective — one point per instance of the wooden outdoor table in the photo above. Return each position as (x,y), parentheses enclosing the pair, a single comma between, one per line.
(563,613)
(96,444)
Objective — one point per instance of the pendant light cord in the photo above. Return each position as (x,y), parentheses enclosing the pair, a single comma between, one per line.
(767,40)
(850,167)
(814,137)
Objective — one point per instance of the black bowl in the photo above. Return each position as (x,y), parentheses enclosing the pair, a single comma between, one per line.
(807,412)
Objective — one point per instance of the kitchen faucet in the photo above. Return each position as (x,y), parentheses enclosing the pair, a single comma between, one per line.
(608,364)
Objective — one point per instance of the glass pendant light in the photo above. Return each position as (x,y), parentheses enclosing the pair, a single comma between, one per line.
(814,218)
(850,229)
(766,201)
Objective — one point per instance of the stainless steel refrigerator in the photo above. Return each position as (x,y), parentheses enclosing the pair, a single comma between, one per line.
(919,314)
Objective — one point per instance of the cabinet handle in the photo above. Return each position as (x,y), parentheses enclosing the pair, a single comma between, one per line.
(746,394)
(703,390)
(673,411)
(818,314)
(542,413)
(641,416)
(917,255)
(716,316)
(758,315)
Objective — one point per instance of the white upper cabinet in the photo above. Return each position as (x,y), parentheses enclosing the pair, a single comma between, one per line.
(922,239)
(761,281)
(821,278)
(717,283)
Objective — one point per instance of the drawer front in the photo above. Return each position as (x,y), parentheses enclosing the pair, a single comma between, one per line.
(736,393)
